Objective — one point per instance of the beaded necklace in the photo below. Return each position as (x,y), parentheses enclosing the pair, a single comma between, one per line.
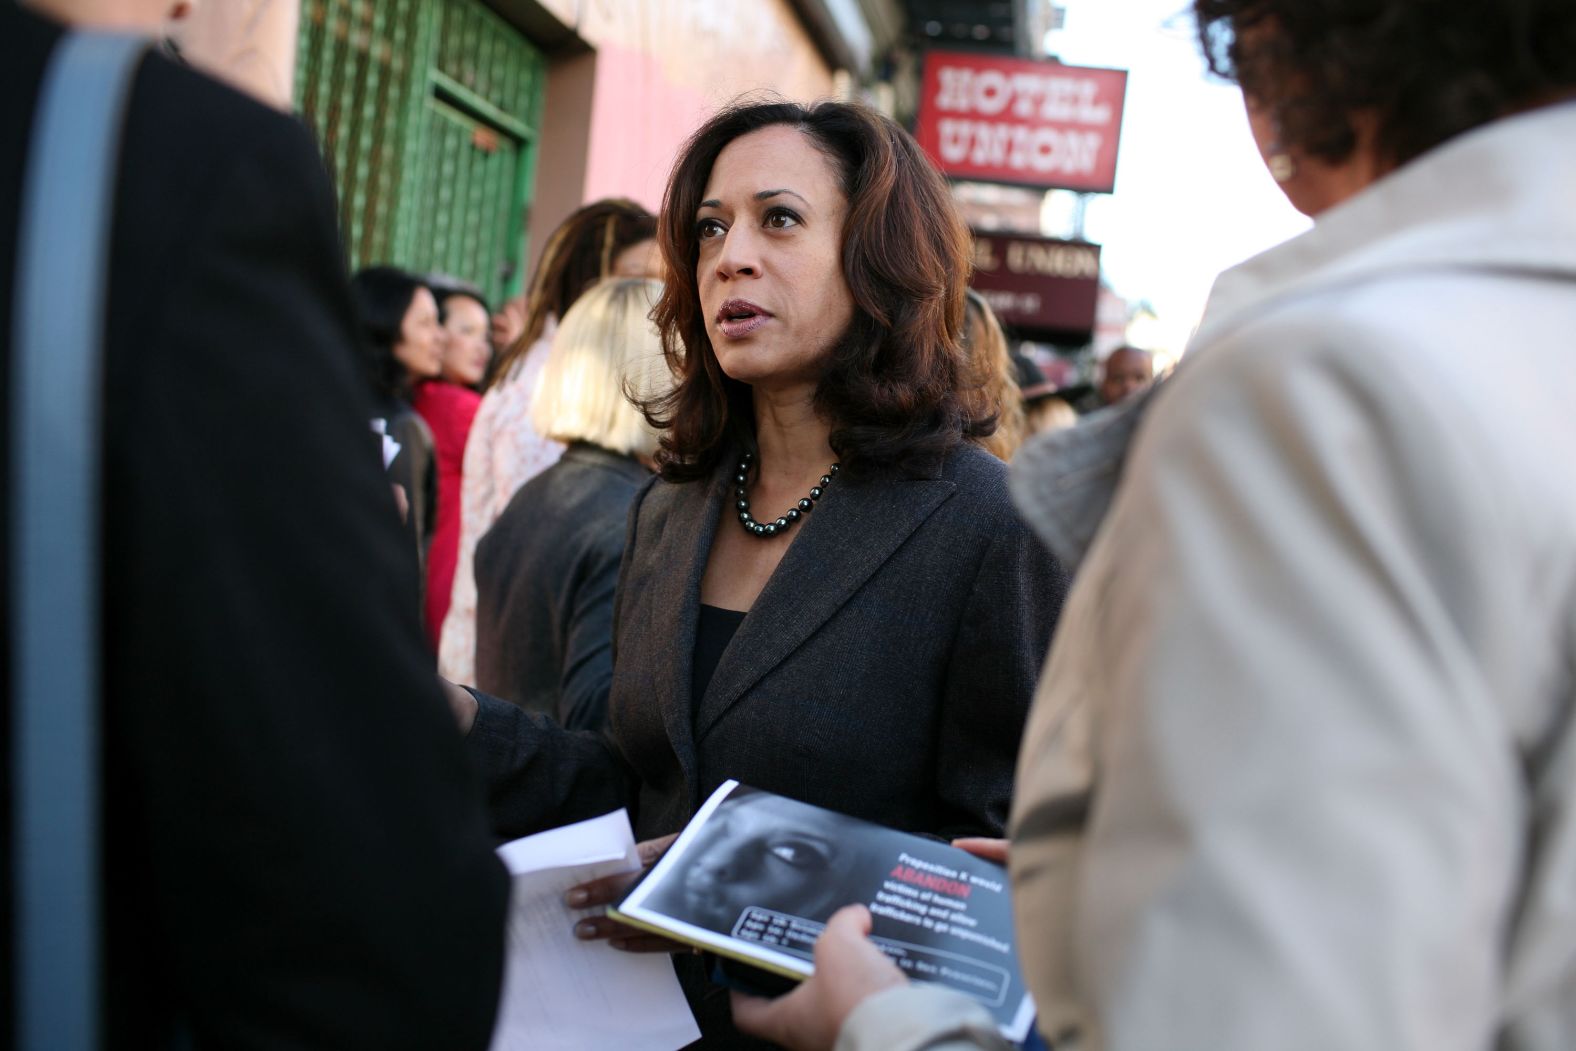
(768,529)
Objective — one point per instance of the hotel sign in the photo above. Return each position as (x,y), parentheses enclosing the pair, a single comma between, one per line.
(1038,284)
(1012,120)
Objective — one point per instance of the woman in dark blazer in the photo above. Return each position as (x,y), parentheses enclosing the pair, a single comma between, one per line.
(827,593)
(546,570)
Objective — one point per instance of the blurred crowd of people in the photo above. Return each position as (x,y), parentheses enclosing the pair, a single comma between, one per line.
(443,368)
(1258,677)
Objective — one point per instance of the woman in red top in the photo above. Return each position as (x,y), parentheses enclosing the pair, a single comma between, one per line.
(449,404)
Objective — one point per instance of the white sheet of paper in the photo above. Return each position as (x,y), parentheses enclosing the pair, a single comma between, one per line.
(563,994)
(390,446)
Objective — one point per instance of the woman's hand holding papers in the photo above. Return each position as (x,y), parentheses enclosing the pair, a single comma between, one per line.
(606,891)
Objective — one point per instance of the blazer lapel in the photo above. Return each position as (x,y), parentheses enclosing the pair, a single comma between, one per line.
(686,541)
(851,533)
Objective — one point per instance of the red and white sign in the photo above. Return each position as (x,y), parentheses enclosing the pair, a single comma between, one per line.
(1016,121)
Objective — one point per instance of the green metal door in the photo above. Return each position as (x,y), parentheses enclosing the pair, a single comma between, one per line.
(428,112)
(453,215)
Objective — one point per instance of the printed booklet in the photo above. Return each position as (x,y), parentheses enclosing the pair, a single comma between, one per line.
(755,876)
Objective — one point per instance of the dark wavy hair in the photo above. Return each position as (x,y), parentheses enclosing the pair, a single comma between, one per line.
(382,295)
(1428,71)
(444,288)
(891,385)
(578,254)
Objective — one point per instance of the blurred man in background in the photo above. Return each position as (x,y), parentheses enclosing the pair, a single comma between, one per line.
(1126,371)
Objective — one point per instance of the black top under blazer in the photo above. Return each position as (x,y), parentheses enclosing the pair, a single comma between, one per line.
(545,577)
(884,672)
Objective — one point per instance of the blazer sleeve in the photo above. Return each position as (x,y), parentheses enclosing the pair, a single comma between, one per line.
(920,1016)
(1002,641)
(588,634)
(314,843)
(540,775)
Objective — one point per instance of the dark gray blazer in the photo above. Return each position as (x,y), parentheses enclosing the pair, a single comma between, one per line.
(884,672)
(545,577)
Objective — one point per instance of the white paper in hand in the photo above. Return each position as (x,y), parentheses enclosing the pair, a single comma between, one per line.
(563,994)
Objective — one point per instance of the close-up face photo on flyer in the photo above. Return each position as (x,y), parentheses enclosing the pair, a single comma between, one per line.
(756,876)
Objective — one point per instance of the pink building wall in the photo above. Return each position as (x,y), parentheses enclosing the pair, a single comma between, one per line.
(639,118)
(657,70)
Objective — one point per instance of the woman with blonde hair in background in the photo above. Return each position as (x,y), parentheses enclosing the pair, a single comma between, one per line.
(546,570)
(610,237)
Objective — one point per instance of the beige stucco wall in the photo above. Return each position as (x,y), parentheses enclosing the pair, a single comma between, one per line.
(718,48)
(663,66)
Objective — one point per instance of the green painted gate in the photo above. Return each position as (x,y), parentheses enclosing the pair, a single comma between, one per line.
(427,112)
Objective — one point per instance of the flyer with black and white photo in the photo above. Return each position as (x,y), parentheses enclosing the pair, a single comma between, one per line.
(755,876)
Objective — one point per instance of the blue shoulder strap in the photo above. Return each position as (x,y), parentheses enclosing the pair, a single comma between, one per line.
(56,448)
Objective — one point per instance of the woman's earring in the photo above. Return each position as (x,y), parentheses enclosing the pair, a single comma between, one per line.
(1282,168)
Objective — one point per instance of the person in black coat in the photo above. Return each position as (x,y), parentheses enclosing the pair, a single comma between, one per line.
(403,343)
(297,853)
(547,569)
(827,594)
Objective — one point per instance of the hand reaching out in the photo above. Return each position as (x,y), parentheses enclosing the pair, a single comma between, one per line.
(848,970)
(989,849)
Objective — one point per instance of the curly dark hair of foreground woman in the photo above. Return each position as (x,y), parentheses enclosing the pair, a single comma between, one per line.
(891,385)
(1427,71)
